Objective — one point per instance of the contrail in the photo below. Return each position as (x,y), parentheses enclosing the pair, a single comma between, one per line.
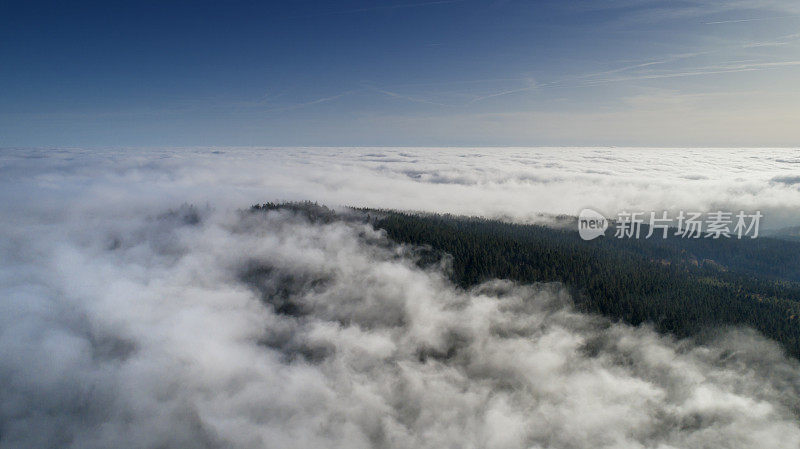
(748,20)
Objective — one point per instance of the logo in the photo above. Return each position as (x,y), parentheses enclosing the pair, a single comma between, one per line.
(591,224)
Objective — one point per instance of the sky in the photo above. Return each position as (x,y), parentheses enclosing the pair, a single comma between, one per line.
(400,73)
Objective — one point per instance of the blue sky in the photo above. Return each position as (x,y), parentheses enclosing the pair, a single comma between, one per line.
(414,72)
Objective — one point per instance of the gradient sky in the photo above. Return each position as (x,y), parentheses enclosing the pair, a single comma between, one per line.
(412,72)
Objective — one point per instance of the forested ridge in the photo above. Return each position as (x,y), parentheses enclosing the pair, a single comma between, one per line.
(681,286)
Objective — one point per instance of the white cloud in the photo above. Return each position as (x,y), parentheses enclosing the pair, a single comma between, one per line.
(518,183)
(122,326)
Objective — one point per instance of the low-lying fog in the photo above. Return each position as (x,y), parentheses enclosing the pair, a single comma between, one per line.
(128,320)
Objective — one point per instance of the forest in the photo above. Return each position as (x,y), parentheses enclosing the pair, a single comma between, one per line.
(685,287)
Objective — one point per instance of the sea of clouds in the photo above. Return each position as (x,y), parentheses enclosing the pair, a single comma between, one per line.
(515,183)
(128,319)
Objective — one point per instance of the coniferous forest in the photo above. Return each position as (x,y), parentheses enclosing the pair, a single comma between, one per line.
(685,287)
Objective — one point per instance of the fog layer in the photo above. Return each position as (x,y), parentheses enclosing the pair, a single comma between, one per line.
(125,324)
(203,329)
